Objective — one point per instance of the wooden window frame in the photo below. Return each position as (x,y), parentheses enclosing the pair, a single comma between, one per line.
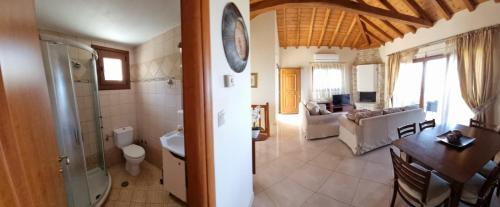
(123,55)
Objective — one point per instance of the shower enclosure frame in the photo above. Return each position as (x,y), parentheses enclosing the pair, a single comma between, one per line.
(55,52)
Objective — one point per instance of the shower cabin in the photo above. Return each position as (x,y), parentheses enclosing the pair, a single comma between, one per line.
(70,68)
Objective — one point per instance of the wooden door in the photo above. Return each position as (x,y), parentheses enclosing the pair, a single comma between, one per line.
(29,167)
(289,90)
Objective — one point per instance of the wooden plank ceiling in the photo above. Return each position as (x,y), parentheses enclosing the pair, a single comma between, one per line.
(358,24)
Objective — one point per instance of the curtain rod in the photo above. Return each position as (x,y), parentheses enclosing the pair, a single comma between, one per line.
(312,62)
(446,39)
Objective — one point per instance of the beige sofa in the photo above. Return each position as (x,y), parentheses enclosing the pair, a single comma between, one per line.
(319,126)
(374,132)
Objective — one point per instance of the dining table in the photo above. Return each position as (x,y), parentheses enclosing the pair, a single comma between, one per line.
(456,165)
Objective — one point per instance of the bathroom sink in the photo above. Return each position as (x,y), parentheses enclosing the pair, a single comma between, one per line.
(173,142)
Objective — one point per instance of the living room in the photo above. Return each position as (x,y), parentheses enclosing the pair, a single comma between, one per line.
(341,85)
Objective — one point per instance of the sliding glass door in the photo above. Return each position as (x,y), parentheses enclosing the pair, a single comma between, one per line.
(432,83)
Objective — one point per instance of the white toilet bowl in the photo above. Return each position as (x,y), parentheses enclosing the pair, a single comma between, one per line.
(134,154)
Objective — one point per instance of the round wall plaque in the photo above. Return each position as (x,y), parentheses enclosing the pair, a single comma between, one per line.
(234,38)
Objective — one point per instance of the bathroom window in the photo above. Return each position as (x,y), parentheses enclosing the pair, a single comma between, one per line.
(112,68)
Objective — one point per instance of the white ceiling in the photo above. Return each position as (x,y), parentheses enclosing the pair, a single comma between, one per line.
(130,22)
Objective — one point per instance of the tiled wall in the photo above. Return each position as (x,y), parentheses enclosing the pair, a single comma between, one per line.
(157,63)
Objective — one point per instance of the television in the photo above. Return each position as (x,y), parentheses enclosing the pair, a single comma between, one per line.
(341,99)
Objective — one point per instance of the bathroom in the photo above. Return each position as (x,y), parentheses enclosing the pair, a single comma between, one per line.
(120,126)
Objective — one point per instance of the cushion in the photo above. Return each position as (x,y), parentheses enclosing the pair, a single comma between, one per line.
(367,114)
(313,108)
(487,168)
(351,115)
(472,187)
(410,107)
(392,110)
(437,192)
(324,112)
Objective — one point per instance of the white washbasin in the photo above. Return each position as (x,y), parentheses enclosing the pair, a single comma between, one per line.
(173,142)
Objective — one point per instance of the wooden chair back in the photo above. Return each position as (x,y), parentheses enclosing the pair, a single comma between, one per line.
(490,183)
(407,130)
(478,124)
(427,124)
(263,122)
(415,178)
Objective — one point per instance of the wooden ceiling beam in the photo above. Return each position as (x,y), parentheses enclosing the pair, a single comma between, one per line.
(393,28)
(285,30)
(298,29)
(380,41)
(469,5)
(323,28)
(443,8)
(346,5)
(389,6)
(416,9)
(351,27)
(374,26)
(311,27)
(362,29)
(337,28)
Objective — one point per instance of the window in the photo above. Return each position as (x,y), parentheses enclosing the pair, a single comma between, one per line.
(328,79)
(112,68)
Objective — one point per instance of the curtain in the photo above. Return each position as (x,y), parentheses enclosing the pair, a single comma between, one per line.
(328,79)
(392,75)
(475,71)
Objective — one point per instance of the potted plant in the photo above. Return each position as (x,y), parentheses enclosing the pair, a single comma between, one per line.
(255,119)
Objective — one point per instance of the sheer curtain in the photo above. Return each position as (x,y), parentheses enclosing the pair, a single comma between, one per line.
(408,85)
(328,79)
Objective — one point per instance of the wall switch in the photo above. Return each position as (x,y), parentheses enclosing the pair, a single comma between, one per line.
(228,81)
(221,118)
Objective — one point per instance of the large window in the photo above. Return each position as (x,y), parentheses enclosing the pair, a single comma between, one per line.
(328,79)
(439,95)
(112,68)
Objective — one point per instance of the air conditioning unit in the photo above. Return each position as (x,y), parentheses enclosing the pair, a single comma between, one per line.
(326,57)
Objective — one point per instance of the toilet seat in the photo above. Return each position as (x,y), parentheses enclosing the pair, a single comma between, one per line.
(134,151)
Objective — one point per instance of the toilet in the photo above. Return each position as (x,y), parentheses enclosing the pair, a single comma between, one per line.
(134,154)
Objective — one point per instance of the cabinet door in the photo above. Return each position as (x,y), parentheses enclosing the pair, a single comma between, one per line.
(175,176)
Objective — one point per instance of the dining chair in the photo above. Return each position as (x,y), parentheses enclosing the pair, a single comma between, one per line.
(427,124)
(407,130)
(417,185)
(479,190)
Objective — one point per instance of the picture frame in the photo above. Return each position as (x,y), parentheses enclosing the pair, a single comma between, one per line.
(254,80)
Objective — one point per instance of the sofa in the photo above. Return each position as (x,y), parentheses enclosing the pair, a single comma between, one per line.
(374,132)
(319,126)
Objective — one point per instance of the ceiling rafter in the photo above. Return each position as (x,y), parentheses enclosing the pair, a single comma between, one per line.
(346,5)
(348,34)
(298,29)
(323,28)
(374,26)
(285,29)
(443,9)
(469,5)
(391,8)
(380,41)
(337,28)
(387,23)
(362,29)
(311,27)
(416,9)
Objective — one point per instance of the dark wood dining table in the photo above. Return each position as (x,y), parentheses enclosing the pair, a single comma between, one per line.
(456,165)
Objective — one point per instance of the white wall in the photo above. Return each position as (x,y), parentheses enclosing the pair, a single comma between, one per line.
(302,56)
(486,14)
(232,141)
(264,57)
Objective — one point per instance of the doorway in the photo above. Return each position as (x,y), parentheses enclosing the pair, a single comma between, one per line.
(289,90)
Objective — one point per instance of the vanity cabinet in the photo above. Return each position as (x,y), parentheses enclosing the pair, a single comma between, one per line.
(174,174)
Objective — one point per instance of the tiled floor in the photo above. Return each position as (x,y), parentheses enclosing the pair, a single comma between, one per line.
(294,172)
(144,190)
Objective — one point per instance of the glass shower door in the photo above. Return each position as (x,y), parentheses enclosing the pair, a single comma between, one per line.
(61,90)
